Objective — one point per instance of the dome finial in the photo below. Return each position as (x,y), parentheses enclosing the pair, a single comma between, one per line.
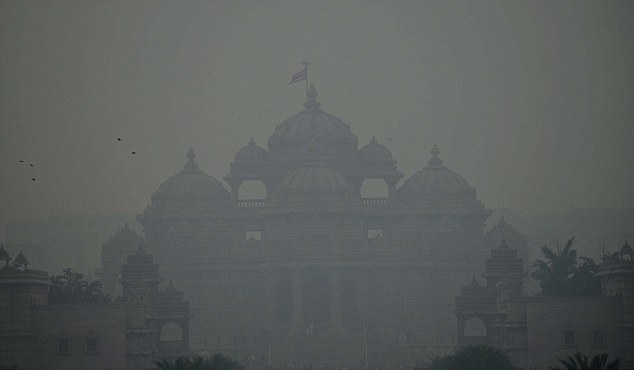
(435,160)
(191,164)
(311,93)
(435,151)
(191,154)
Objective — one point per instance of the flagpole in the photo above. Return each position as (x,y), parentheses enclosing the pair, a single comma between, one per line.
(306,64)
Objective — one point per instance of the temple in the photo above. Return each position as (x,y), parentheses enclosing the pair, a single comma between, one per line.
(313,269)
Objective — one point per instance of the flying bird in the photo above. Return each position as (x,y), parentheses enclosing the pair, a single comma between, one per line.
(33,178)
(119,139)
(133,152)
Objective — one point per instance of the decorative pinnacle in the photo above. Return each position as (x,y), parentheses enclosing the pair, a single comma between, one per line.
(191,164)
(312,92)
(252,142)
(191,154)
(373,139)
(435,151)
(435,160)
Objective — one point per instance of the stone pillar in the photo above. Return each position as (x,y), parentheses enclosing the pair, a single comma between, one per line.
(391,185)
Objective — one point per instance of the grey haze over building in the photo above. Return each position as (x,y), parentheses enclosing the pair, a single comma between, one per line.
(529,101)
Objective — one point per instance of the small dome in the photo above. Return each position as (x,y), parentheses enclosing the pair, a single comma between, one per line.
(626,250)
(436,178)
(251,154)
(4,256)
(21,260)
(315,177)
(312,122)
(190,184)
(375,152)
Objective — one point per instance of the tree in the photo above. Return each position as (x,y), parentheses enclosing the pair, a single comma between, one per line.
(473,358)
(579,361)
(71,287)
(197,362)
(561,274)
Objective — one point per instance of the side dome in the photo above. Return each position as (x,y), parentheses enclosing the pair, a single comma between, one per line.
(314,177)
(251,154)
(190,185)
(312,122)
(437,182)
(374,152)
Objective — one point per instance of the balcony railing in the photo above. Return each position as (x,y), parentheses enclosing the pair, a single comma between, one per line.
(376,202)
(251,203)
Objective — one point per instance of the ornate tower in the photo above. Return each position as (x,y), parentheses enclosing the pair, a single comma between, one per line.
(157,323)
(480,307)
(113,255)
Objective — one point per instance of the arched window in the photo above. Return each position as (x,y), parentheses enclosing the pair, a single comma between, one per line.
(252,189)
(171,332)
(374,188)
(475,327)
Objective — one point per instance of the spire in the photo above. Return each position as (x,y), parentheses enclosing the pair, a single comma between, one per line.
(435,160)
(191,164)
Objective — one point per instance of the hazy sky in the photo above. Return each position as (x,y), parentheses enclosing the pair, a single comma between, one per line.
(532,102)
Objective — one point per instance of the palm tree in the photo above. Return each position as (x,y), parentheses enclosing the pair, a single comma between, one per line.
(579,361)
(561,275)
(557,268)
(473,358)
(71,287)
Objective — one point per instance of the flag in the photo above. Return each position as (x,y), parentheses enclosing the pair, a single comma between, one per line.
(300,76)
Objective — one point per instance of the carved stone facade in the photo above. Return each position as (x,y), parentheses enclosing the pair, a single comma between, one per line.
(314,272)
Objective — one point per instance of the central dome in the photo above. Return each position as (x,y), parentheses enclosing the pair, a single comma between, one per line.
(312,122)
